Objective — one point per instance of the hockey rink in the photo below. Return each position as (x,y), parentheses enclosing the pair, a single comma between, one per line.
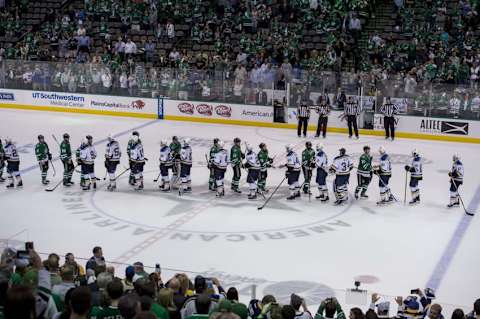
(318,249)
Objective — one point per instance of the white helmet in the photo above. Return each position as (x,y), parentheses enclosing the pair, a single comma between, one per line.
(455,157)
(135,138)
(186,141)
(381,150)
(8,139)
(289,147)
(163,142)
(415,152)
(319,146)
(221,144)
(110,137)
(248,146)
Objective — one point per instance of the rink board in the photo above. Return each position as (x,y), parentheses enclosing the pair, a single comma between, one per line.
(225,113)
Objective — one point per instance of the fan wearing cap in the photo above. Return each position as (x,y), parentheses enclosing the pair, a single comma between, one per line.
(308,164)
(137,158)
(2,161)
(321,162)
(265,163)
(220,163)
(384,172)
(456,179)
(236,157)
(131,178)
(213,151)
(112,159)
(88,154)
(341,167)
(185,166)
(415,169)
(13,163)
(293,172)
(364,173)
(42,152)
(66,158)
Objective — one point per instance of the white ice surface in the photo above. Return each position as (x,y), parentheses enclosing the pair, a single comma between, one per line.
(301,241)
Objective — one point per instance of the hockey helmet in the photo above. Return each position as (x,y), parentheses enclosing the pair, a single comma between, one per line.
(319,146)
(381,150)
(216,140)
(262,145)
(366,147)
(110,137)
(248,146)
(66,136)
(135,138)
(455,156)
(135,133)
(236,140)
(289,147)
(186,141)
(415,152)
(41,137)
(163,142)
(342,151)
(221,144)
(175,138)
(308,144)
(89,137)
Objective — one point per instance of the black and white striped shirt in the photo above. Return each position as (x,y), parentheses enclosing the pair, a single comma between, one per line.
(352,108)
(389,109)
(303,110)
(323,109)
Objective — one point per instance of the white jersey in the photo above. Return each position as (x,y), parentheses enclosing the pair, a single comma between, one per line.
(385,165)
(221,159)
(342,165)
(186,155)
(457,171)
(252,160)
(136,153)
(416,167)
(321,160)
(293,163)
(112,152)
(88,154)
(11,153)
(165,155)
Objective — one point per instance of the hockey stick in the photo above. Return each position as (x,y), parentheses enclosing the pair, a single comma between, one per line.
(461,200)
(271,195)
(55,139)
(158,177)
(126,170)
(54,187)
(53,168)
(405,194)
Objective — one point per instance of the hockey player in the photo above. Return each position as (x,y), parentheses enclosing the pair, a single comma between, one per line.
(341,167)
(236,157)
(252,164)
(415,170)
(138,159)
(185,166)
(293,172)
(13,164)
(220,163)
(308,164)
(265,163)
(456,179)
(2,161)
(87,160)
(364,173)
(213,151)
(175,148)
(112,159)
(42,152)
(165,165)
(321,162)
(131,178)
(384,172)
(66,158)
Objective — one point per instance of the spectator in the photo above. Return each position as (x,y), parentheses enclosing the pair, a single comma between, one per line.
(202,305)
(170,28)
(130,49)
(97,259)
(356,313)
(435,312)
(80,303)
(224,311)
(458,314)
(67,275)
(330,309)
(78,270)
(129,306)
(232,294)
(165,299)
(114,291)
(99,288)
(20,303)
(475,314)
(296,302)
(178,295)
(145,287)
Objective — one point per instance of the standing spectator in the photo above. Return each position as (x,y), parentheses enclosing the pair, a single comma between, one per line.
(356,313)
(80,302)
(170,30)
(149,50)
(475,314)
(78,270)
(67,283)
(165,299)
(355,27)
(330,308)
(178,295)
(114,291)
(20,303)
(389,110)
(341,99)
(130,49)
(296,302)
(106,81)
(352,110)
(458,314)
(97,259)
(303,115)
(119,48)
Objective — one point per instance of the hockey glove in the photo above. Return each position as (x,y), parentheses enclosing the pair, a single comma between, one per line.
(49,156)
(287,173)
(407,168)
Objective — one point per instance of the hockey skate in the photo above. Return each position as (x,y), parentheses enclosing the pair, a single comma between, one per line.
(292,197)
(94,185)
(454,204)
(414,201)
(139,187)
(45,182)
(363,196)
(86,187)
(10,186)
(236,190)
(252,196)
(20,184)
(325,199)
(356,195)
(220,193)
(2,179)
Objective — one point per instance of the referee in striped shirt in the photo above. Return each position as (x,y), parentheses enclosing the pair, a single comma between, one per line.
(389,110)
(303,115)
(323,110)
(351,111)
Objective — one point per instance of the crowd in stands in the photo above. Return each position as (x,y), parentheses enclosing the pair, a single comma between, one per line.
(31,288)
(239,50)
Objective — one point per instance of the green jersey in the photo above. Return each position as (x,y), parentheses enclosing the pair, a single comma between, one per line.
(105,313)
(236,155)
(2,152)
(308,157)
(175,148)
(265,161)
(213,150)
(42,151)
(65,151)
(131,144)
(365,165)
